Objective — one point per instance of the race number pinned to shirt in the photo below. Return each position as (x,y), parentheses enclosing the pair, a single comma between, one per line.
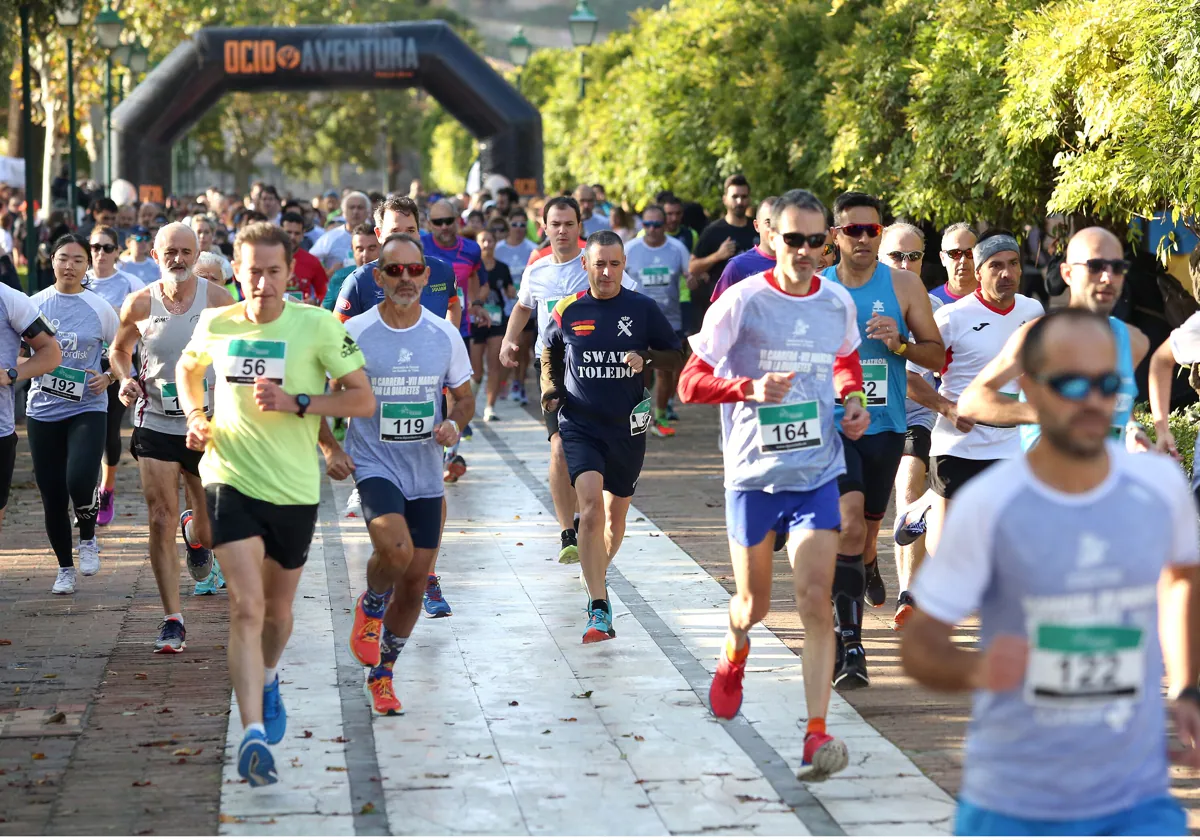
(639,418)
(170,399)
(1083,666)
(782,428)
(875,381)
(656,275)
(247,360)
(550,304)
(65,383)
(496,313)
(405,422)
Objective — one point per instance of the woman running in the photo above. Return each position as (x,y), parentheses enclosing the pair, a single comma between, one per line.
(499,297)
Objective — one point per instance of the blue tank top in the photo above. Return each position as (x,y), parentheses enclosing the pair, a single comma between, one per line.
(884,380)
(1125,397)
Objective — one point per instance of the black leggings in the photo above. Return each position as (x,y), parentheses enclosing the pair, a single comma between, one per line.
(66,463)
(116,413)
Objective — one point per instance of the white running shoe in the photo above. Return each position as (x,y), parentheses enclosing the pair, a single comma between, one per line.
(354,503)
(64,584)
(89,556)
(489,414)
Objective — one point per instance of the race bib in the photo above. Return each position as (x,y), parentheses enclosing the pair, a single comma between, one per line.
(550,304)
(406,422)
(65,383)
(656,275)
(782,428)
(247,360)
(875,383)
(170,400)
(294,297)
(1083,666)
(639,418)
(496,313)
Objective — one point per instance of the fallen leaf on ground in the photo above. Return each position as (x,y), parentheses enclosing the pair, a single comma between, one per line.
(188,751)
(583,696)
(128,714)
(520,543)
(141,676)
(146,783)
(226,818)
(437,775)
(49,676)
(545,731)
(638,738)
(307,734)
(368,808)
(569,720)
(518,516)
(336,769)
(513,703)
(4,642)
(38,756)
(296,762)
(17,690)
(340,740)
(57,717)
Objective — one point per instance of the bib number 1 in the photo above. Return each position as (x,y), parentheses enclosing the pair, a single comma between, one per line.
(782,428)
(405,422)
(248,360)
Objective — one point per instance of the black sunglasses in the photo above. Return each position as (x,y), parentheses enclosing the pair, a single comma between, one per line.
(653,224)
(100,246)
(1099,266)
(518,223)
(1076,386)
(449,220)
(799,240)
(855,231)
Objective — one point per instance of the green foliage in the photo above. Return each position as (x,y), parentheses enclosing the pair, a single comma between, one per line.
(1185,427)
(452,150)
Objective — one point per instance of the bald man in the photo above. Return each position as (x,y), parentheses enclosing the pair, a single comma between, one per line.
(162,316)
(442,241)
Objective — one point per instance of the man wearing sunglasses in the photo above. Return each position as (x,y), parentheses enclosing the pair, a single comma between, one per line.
(895,319)
(1081,562)
(396,455)
(755,261)
(140,265)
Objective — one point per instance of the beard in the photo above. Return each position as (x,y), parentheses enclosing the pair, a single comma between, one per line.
(404,299)
(1062,438)
(173,278)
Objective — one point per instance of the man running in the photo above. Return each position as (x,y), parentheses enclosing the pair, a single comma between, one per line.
(896,321)
(333,247)
(1080,560)
(1182,347)
(162,316)
(261,479)
(599,347)
(140,263)
(365,247)
(755,261)
(396,455)
(514,251)
(660,264)
(721,241)
(774,351)
(554,277)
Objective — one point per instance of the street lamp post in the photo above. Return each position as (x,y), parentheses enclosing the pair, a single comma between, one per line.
(519,50)
(582,24)
(68,13)
(108,33)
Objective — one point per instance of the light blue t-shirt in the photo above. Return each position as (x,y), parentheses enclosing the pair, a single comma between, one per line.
(85,324)
(408,369)
(659,271)
(114,288)
(17,314)
(147,270)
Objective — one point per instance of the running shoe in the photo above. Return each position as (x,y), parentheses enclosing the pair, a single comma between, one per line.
(353,504)
(381,694)
(364,634)
(64,584)
(853,673)
(672,415)
(824,755)
(255,763)
(455,468)
(274,714)
(199,558)
(909,531)
(524,400)
(107,506)
(661,430)
(514,394)
(725,693)
(876,592)
(569,553)
(489,415)
(904,610)
(781,538)
(599,627)
(89,556)
(208,586)
(435,604)
(172,638)
(467,433)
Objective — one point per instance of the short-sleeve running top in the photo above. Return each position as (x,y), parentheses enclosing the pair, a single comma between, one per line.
(659,272)
(84,324)
(17,313)
(547,282)
(268,455)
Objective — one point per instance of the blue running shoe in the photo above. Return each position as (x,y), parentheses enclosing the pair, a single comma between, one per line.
(255,763)
(199,558)
(274,715)
(211,584)
(908,532)
(599,627)
(435,604)
(467,433)
(671,413)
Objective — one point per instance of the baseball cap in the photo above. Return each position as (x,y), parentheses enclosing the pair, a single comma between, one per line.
(331,194)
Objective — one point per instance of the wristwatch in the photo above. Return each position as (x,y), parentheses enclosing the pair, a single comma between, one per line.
(302,401)
(12,375)
(1189,693)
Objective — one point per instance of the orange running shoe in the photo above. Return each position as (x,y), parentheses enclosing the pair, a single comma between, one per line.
(904,610)
(725,693)
(379,692)
(364,635)
(824,755)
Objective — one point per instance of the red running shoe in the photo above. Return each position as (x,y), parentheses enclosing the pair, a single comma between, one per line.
(725,694)
(364,635)
(824,755)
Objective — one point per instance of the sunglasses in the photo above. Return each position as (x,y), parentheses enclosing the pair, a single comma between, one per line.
(140,237)
(653,225)
(518,223)
(1099,266)
(909,256)
(799,240)
(855,231)
(100,246)
(959,253)
(449,220)
(1076,387)
(399,269)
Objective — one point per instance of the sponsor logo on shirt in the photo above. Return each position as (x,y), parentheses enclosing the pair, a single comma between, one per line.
(801,328)
(349,348)
(343,304)
(404,356)
(980,326)
(877,307)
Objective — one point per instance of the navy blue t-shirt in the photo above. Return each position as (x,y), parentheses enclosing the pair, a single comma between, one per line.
(360,291)
(594,336)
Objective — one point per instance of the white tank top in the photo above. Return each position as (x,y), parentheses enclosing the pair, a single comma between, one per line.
(164,335)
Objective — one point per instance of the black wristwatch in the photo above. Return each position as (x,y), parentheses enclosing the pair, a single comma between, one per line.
(12,376)
(303,401)
(1190,693)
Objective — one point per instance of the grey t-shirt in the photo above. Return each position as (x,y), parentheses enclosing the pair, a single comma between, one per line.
(1077,576)
(114,288)
(408,369)
(659,271)
(17,313)
(147,270)
(85,324)
(334,247)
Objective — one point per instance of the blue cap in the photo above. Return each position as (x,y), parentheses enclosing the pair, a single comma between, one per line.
(139,230)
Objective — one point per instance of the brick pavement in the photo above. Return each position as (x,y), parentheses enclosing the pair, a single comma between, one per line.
(110,767)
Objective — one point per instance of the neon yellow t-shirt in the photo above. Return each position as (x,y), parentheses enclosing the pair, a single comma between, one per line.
(268,455)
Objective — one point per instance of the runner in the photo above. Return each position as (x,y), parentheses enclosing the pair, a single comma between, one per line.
(140,264)
(755,261)
(598,347)
(912,478)
(498,296)
(365,245)
(589,220)
(261,484)
(333,247)
(217,271)
(546,282)
(396,455)
(162,317)
(114,286)
(67,410)
(773,352)
(660,264)
(1182,347)
(309,280)
(20,321)
(1081,562)
(720,242)
(515,252)
(896,322)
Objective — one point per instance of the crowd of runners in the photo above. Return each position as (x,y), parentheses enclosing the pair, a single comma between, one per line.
(247,335)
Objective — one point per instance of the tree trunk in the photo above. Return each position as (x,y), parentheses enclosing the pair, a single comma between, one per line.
(14,115)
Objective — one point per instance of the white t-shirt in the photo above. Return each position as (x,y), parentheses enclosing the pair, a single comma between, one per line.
(546,282)
(974,333)
(1185,341)
(334,247)
(6,242)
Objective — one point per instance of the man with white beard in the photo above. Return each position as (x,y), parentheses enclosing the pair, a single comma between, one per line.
(163,316)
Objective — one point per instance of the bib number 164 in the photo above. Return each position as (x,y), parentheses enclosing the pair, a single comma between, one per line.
(785,427)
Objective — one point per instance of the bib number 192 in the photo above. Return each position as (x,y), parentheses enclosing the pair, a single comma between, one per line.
(65,383)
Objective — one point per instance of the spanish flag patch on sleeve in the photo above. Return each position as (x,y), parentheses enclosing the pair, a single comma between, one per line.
(562,305)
